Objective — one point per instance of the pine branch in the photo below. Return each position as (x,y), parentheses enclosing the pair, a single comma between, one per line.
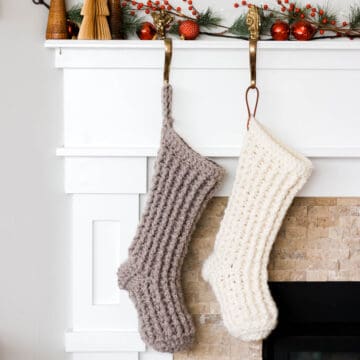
(354,21)
(327,15)
(208,20)
(130,23)
(174,29)
(239,26)
(74,14)
(267,22)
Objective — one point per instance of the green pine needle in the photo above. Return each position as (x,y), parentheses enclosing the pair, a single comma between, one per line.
(267,22)
(208,19)
(174,29)
(328,15)
(74,14)
(354,21)
(130,23)
(239,26)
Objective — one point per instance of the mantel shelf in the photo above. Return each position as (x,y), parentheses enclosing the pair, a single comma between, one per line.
(329,44)
(337,54)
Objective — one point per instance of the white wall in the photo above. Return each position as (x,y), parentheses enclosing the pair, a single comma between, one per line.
(34,236)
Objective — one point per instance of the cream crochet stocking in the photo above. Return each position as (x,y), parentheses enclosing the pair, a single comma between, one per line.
(269,175)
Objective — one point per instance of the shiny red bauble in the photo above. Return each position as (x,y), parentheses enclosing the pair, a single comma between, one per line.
(303,30)
(147,31)
(72,29)
(280,31)
(189,30)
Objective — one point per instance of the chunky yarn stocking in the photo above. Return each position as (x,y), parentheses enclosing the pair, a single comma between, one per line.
(183,183)
(269,175)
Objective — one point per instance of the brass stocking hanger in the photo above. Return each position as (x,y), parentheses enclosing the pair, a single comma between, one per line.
(253,23)
(168,56)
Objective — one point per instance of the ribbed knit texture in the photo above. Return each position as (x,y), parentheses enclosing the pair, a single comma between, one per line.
(268,176)
(183,183)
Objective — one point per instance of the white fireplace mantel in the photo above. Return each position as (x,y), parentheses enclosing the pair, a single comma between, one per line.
(112,118)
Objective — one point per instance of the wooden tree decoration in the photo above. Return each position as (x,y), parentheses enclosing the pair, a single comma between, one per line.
(56,26)
(94,24)
(87,28)
(102,30)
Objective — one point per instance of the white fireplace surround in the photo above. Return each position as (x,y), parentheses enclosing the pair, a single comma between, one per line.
(112,118)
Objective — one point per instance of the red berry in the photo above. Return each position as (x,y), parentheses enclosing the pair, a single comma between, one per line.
(124,4)
(147,11)
(243,2)
(321,31)
(297,10)
(190,2)
(266,7)
(178,9)
(344,23)
(324,21)
(308,6)
(302,16)
(283,9)
(313,10)
(190,8)
(166,2)
(132,13)
(236,5)
(194,12)
(321,12)
(312,14)
(162,7)
(286,1)
(333,22)
(279,2)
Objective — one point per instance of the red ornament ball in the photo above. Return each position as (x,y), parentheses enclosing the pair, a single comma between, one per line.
(189,30)
(147,31)
(72,29)
(280,31)
(303,30)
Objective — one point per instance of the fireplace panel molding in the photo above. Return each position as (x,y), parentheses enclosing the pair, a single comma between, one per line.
(112,120)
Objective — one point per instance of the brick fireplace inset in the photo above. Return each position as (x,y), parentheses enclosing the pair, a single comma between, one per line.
(319,241)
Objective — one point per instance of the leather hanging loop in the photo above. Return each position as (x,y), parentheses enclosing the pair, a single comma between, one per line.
(168,56)
(251,114)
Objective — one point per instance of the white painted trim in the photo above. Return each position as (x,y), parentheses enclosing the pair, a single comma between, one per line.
(103,341)
(321,152)
(335,44)
(339,54)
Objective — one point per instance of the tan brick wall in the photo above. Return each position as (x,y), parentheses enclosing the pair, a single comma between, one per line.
(319,241)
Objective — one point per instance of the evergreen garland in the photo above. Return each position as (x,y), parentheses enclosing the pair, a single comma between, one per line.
(74,14)
(130,22)
(208,19)
(354,21)
(324,20)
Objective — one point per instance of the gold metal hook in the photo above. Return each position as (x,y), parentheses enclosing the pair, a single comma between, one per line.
(168,56)
(253,22)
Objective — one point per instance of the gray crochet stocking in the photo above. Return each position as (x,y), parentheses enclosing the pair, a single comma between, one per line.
(183,183)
